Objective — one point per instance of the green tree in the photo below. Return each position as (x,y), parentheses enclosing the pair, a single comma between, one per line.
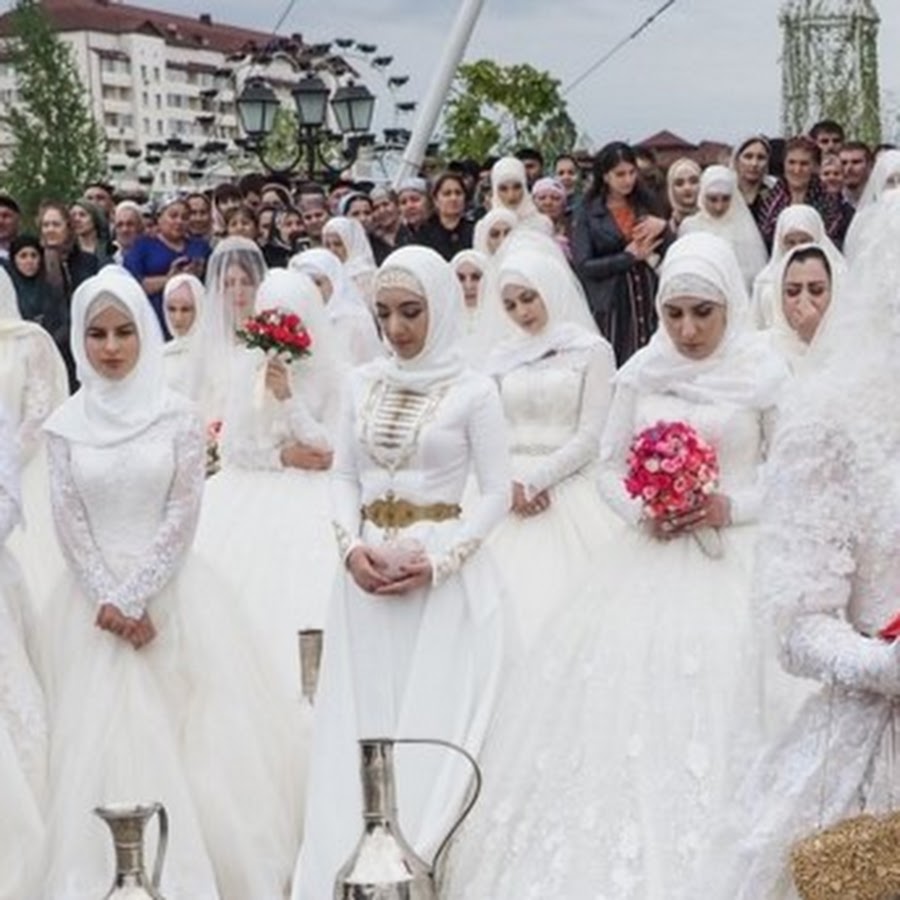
(493,109)
(58,146)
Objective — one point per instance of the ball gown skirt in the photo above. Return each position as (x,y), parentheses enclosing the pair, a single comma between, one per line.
(193,720)
(23,741)
(269,535)
(622,737)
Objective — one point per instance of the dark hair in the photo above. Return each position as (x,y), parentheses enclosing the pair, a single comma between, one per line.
(754,139)
(563,156)
(524,153)
(827,126)
(646,153)
(226,191)
(605,161)
(444,177)
(806,252)
(251,183)
(245,212)
(807,144)
(198,194)
(860,146)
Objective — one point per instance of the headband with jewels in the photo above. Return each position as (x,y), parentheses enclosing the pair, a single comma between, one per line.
(399,278)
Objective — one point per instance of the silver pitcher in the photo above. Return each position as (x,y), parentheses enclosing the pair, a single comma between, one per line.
(127,825)
(310,641)
(384,866)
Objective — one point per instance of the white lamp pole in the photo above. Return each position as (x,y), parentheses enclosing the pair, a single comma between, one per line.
(463,27)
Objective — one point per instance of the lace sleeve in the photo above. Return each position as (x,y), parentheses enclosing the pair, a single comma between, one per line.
(345,489)
(805,563)
(305,428)
(490,461)
(45,387)
(746,501)
(616,440)
(72,526)
(242,449)
(584,445)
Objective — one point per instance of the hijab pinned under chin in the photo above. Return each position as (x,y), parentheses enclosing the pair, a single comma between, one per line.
(428,275)
(743,369)
(108,411)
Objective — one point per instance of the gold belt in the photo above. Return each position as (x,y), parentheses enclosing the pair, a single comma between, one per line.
(390,512)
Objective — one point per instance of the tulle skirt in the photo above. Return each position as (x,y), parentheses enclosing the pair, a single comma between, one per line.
(623,734)
(545,559)
(23,742)
(269,535)
(194,720)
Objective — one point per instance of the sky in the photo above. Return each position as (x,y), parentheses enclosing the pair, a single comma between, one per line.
(706,69)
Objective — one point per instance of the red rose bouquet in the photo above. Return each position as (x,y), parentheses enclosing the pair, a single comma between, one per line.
(277,332)
(671,470)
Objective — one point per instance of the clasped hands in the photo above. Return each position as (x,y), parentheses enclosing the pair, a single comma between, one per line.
(370,571)
(646,237)
(138,632)
(714,512)
(524,507)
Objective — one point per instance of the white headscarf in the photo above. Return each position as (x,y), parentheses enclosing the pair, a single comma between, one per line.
(674,170)
(441,358)
(509,170)
(796,218)
(346,300)
(570,325)
(887,167)
(477,260)
(737,226)
(198,295)
(360,259)
(183,351)
(743,369)
(105,411)
(783,336)
(484,225)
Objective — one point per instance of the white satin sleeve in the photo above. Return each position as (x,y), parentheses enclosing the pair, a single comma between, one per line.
(172,540)
(584,445)
(614,445)
(490,461)
(805,564)
(345,477)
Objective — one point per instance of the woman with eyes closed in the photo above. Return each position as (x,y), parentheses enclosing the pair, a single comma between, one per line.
(555,375)
(414,643)
(619,742)
(155,689)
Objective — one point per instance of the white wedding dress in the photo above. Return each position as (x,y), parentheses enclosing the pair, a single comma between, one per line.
(555,410)
(23,726)
(623,735)
(194,719)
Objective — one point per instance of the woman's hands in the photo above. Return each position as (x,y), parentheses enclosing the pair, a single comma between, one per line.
(138,632)
(278,379)
(524,507)
(304,456)
(367,568)
(714,512)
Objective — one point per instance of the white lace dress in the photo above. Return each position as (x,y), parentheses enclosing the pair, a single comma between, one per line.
(23,727)
(192,720)
(829,567)
(555,410)
(265,527)
(423,665)
(623,734)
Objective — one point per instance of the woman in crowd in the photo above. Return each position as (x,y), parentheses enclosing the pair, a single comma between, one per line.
(386,215)
(38,300)
(414,640)
(171,251)
(415,207)
(448,231)
(619,237)
(23,725)
(568,174)
(796,225)
(723,212)
(683,184)
(91,231)
(354,326)
(750,162)
(155,687)
(619,743)
(347,240)
(828,580)
(550,198)
(554,372)
(509,190)
(269,502)
(128,224)
(184,300)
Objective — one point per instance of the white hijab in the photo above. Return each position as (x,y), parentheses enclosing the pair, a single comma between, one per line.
(104,411)
(570,325)
(346,301)
(360,259)
(737,226)
(441,359)
(887,167)
(477,260)
(743,369)
(509,170)
(182,343)
(484,225)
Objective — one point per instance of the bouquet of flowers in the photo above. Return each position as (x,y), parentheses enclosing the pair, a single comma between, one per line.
(672,470)
(213,462)
(277,332)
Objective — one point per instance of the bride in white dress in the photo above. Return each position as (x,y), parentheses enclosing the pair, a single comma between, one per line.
(555,376)
(622,736)
(155,689)
(829,578)
(417,650)
(266,524)
(23,727)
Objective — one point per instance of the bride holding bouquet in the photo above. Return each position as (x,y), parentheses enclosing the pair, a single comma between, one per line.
(645,698)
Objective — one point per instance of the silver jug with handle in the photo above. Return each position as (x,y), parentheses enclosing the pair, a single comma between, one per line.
(127,824)
(310,646)
(384,866)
